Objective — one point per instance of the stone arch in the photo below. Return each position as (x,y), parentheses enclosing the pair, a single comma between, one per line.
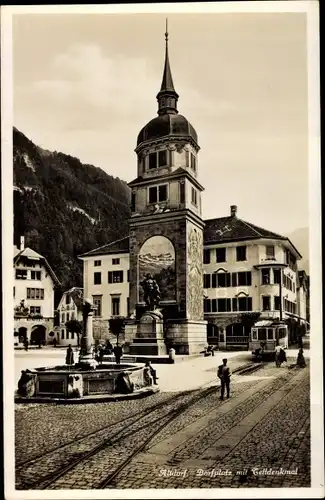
(22,331)
(212,333)
(157,257)
(38,335)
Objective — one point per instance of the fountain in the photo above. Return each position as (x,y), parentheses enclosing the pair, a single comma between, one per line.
(85,381)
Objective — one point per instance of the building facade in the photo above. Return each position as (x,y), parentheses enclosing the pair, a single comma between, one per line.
(247,270)
(69,309)
(303,298)
(106,283)
(34,284)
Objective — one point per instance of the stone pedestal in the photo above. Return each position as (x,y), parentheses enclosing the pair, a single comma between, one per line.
(187,336)
(86,359)
(149,338)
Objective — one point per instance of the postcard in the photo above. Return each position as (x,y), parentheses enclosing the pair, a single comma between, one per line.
(162,213)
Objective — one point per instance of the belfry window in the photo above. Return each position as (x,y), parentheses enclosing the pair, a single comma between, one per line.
(153,160)
(162,158)
(158,159)
(194,196)
(158,193)
(193,162)
(133,202)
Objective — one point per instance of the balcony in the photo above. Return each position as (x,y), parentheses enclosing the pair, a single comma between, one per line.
(270,262)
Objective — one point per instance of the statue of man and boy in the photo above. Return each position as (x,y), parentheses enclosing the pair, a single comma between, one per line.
(151,292)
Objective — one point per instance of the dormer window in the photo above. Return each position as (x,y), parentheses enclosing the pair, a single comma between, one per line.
(158,159)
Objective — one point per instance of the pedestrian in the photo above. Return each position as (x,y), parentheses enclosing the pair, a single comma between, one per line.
(149,369)
(54,341)
(118,352)
(109,347)
(69,356)
(282,356)
(224,375)
(209,351)
(301,358)
(26,344)
(277,355)
(100,354)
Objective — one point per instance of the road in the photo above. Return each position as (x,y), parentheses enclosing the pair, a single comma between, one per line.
(258,438)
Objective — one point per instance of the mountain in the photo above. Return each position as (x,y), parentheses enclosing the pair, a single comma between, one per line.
(300,239)
(64,207)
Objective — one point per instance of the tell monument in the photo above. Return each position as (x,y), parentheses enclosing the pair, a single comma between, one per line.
(166,229)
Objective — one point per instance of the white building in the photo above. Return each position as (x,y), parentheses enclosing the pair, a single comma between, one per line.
(106,282)
(69,308)
(34,283)
(303,298)
(247,269)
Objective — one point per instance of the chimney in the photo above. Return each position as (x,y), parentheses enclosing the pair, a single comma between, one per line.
(22,243)
(233,210)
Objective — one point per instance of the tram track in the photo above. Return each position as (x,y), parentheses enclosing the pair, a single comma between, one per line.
(135,415)
(49,479)
(264,416)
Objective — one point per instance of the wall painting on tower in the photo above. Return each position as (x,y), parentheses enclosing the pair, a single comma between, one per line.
(157,257)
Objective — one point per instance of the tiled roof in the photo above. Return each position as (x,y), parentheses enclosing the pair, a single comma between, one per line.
(118,246)
(232,228)
(220,230)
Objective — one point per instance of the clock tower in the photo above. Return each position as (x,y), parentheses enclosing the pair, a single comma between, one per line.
(166,226)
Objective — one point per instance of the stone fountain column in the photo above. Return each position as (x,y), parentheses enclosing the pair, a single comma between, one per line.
(86,345)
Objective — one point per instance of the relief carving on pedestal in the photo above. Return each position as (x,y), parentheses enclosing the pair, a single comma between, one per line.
(195,275)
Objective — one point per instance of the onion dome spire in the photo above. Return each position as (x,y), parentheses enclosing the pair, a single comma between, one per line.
(167,97)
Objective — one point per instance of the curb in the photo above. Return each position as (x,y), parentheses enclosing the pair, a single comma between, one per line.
(141,393)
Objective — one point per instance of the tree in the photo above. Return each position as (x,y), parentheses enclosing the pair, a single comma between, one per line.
(75,326)
(248,320)
(117,326)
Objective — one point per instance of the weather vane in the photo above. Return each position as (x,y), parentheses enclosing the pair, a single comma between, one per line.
(166,34)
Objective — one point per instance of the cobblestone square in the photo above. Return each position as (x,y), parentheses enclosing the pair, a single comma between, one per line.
(259,437)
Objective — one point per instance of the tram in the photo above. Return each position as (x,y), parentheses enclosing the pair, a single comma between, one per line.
(264,336)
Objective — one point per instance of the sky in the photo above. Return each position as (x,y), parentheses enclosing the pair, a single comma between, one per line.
(86,84)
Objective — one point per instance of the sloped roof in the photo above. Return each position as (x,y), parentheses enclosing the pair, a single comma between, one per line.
(29,253)
(231,228)
(220,230)
(118,246)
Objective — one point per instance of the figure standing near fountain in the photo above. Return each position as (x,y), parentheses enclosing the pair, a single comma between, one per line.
(151,292)
(118,352)
(69,359)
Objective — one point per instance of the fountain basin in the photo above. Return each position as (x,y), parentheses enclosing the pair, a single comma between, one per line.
(65,384)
